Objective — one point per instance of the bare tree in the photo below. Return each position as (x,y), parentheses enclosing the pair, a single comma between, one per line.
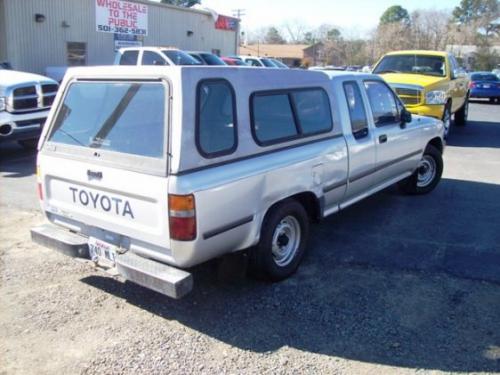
(430,29)
(295,30)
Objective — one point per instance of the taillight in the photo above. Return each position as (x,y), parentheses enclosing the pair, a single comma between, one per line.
(182,217)
(472,85)
(38,183)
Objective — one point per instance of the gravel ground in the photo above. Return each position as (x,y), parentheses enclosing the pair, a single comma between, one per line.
(62,316)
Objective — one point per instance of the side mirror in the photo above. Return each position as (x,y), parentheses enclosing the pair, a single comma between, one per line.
(405,117)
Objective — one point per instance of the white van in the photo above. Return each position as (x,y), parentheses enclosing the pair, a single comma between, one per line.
(153,170)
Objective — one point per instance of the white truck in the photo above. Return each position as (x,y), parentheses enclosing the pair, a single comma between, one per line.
(25,100)
(153,170)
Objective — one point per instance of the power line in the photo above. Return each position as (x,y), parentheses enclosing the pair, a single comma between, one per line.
(238,13)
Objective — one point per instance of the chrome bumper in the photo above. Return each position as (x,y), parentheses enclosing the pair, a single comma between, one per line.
(148,273)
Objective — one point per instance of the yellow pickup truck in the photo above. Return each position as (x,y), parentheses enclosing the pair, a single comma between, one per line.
(430,83)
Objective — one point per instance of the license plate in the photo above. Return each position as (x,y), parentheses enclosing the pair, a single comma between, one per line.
(102,252)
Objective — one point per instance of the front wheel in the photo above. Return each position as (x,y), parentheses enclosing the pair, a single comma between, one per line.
(447,120)
(427,175)
(282,244)
(462,113)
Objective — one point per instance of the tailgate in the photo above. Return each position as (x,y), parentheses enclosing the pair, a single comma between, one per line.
(124,202)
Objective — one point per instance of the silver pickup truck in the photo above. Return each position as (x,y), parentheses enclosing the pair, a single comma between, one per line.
(153,170)
(25,100)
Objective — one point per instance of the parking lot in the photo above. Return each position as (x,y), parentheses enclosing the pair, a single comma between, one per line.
(395,283)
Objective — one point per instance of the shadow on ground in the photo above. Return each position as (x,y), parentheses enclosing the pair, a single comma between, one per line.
(358,294)
(477,133)
(16,161)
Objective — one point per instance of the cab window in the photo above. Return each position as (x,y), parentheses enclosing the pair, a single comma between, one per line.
(382,102)
(215,118)
(129,58)
(152,58)
(357,113)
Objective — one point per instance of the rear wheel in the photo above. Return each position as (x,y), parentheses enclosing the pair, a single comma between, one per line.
(282,244)
(462,113)
(427,175)
(447,119)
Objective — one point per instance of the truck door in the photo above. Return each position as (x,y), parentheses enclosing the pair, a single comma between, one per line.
(361,143)
(397,146)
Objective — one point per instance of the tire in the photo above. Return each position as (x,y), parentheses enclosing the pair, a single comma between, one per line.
(492,100)
(447,119)
(427,175)
(29,144)
(282,244)
(462,113)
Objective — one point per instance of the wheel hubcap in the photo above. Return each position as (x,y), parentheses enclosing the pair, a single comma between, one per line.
(286,240)
(426,171)
(446,121)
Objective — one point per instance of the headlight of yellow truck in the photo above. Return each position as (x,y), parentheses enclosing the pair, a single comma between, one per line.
(435,97)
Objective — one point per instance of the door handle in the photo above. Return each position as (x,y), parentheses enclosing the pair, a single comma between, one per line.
(382,138)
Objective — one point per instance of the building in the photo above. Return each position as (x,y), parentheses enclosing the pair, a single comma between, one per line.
(37,34)
(293,55)
(290,54)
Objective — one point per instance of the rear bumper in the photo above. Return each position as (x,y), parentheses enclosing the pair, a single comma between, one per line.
(148,273)
(485,93)
(435,111)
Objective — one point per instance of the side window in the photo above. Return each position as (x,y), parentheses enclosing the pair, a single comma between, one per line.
(289,114)
(357,113)
(382,102)
(215,118)
(152,58)
(313,111)
(453,67)
(272,118)
(129,58)
(197,58)
(253,62)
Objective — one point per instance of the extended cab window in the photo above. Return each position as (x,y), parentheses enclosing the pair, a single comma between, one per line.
(273,118)
(357,113)
(313,111)
(129,58)
(216,118)
(382,102)
(125,117)
(289,114)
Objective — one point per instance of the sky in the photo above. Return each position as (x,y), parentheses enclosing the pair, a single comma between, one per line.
(352,16)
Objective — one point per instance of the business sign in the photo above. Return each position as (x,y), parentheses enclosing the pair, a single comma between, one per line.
(127,40)
(121,17)
(226,23)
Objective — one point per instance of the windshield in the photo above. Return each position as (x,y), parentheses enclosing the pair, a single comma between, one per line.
(412,64)
(212,59)
(279,63)
(180,57)
(484,77)
(268,63)
(126,117)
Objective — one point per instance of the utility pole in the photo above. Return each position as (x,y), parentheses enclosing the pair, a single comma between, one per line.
(238,13)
